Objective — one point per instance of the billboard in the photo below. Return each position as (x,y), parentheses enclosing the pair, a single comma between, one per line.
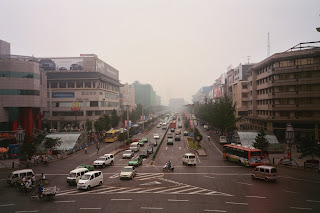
(63,95)
(106,69)
(51,64)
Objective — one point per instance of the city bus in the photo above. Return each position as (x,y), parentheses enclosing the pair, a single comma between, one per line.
(247,156)
(111,136)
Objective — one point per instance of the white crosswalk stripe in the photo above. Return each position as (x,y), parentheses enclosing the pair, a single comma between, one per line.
(142,176)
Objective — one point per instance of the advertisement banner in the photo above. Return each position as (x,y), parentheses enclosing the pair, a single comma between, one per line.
(130,124)
(125,123)
(63,95)
(51,64)
(191,123)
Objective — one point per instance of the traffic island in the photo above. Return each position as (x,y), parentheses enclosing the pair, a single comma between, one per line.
(195,147)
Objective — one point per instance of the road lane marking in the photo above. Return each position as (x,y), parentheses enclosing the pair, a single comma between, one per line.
(208,176)
(108,191)
(151,208)
(196,192)
(249,184)
(120,199)
(131,190)
(150,183)
(291,192)
(179,187)
(313,201)
(27,211)
(211,210)
(233,203)
(292,178)
(216,147)
(90,208)
(3,179)
(166,148)
(255,197)
(179,147)
(300,208)
(171,200)
(11,204)
(151,189)
(65,201)
(185,190)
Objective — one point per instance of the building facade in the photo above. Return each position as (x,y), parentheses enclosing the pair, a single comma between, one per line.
(127,97)
(176,103)
(145,95)
(285,88)
(23,92)
(79,88)
(202,95)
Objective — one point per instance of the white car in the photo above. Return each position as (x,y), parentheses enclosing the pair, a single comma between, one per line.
(128,172)
(103,161)
(128,154)
(156,136)
(90,179)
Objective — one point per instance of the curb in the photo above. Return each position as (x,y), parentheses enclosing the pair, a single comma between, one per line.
(195,150)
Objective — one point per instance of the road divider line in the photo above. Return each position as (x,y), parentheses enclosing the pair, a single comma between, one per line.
(255,197)
(313,201)
(208,176)
(11,204)
(27,211)
(291,192)
(171,200)
(151,208)
(216,147)
(301,208)
(292,178)
(121,199)
(90,208)
(212,210)
(249,184)
(65,201)
(233,203)
(171,189)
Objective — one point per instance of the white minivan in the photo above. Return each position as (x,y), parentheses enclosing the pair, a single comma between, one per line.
(75,175)
(90,179)
(189,159)
(135,146)
(223,140)
(15,177)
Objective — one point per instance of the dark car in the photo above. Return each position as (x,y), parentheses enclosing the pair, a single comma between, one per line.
(62,68)
(153,143)
(144,153)
(177,137)
(150,149)
(170,141)
(170,135)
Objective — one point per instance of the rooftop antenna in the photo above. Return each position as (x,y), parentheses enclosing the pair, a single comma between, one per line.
(248,59)
(268,45)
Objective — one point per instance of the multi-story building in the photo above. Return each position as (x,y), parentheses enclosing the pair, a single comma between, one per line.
(201,95)
(79,88)
(285,88)
(176,103)
(23,91)
(127,97)
(145,95)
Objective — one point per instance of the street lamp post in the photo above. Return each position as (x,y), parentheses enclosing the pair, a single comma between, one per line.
(289,137)
(142,119)
(20,136)
(128,120)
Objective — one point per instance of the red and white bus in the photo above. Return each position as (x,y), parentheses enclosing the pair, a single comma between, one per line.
(247,156)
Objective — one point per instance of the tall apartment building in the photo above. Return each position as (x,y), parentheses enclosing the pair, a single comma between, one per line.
(285,88)
(23,91)
(201,95)
(127,97)
(176,103)
(79,88)
(145,95)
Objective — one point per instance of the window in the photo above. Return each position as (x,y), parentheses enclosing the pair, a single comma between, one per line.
(70,84)
(284,63)
(54,85)
(79,84)
(63,85)
(244,86)
(303,61)
(87,84)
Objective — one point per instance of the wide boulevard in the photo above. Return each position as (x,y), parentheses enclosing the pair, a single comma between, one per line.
(213,185)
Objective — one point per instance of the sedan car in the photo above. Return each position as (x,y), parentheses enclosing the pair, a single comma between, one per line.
(128,172)
(158,126)
(144,153)
(185,133)
(177,137)
(128,154)
(180,126)
(89,167)
(141,143)
(145,140)
(156,136)
(170,135)
(153,143)
(135,161)
(150,149)
(169,141)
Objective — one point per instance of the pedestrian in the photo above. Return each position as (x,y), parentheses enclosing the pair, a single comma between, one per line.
(85,150)
(33,179)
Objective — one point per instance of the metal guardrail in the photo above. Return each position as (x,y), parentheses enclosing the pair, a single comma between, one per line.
(156,152)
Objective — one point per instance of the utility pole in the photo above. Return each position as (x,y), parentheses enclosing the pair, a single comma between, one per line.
(193,123)
(142,119)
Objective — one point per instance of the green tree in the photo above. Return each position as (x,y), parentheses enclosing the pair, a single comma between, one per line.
(28,148)
(88,125)
(114,119)
(197,134)
(308,147)
(50,143)
(122,137)
(261,142)
(103,123)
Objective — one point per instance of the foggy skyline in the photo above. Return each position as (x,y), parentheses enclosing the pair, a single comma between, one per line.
(176,46)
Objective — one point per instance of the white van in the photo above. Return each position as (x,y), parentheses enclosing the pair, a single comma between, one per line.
(189,159)
(223,140)
(265,172)
(75,175)
(135,146)
(90,179)
(15,177)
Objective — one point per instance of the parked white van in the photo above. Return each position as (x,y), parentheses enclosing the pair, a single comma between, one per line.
(75,175)
(135,146)
(90,179)
(189,159)
(223,140)
(15,177)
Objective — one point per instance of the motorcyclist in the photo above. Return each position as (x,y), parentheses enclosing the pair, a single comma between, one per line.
(209,137)
(40,190)
(169,165)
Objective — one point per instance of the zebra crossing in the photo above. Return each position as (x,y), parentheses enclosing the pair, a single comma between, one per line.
(177,189)
(142,176)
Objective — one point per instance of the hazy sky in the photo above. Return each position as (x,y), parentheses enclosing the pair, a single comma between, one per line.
(177,46)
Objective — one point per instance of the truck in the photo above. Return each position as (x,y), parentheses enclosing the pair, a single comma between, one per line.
(173,124)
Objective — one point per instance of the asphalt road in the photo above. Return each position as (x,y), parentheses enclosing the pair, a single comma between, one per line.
(213,185)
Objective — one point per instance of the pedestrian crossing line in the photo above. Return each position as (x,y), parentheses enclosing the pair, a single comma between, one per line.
(144,191)
(184,190)
(132,190)
(179,187)
(148,177)
(108,191)
(197,192)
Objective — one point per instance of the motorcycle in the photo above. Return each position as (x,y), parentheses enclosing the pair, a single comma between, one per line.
(166,169)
